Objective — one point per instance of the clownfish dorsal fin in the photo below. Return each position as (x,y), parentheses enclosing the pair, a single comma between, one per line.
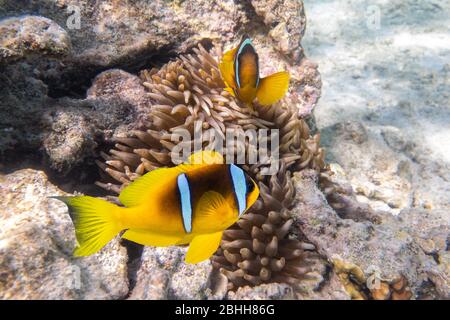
(199,159)
(226,68)
(142,188)
(203,246)
(228,56)
(205,157)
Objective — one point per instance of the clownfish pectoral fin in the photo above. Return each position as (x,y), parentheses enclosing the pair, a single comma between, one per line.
(212,213)
(272,88)
(147,238)
(226,67)
(205,157)
(210,205)
(203,246)
(142,189)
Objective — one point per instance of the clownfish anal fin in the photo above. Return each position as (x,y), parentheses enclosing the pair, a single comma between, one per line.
(203,246)
(147,238)
(272,88)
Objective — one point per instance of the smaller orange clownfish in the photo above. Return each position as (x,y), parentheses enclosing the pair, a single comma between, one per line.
(240,71)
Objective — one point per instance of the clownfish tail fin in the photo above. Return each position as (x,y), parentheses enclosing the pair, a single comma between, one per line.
(95,222)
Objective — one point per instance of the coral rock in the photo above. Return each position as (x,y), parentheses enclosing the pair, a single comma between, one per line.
(287,21)
(31,35)
(38,238)
(162,274)
(75,127)
(368,252)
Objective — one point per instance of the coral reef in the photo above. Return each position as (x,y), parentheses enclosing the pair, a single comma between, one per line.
(76,128)
(273,291)
(381,176)
(65,90)
(153,32)
(50,118)
(288,22)
(65,132)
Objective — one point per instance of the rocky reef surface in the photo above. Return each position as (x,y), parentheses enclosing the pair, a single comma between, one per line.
(36,244)
(66,91)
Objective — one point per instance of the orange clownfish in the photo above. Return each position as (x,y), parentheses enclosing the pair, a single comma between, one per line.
(240,71)
(192,203)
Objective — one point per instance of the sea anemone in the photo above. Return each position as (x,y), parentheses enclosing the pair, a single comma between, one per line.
(257,249)
(190,91)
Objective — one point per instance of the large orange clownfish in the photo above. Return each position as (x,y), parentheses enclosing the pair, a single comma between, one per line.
(240,71)
(192,203)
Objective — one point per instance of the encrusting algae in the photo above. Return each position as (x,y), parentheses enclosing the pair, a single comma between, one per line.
(189,91)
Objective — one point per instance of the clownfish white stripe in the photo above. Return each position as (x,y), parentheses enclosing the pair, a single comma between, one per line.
(185,199)
(239,186)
